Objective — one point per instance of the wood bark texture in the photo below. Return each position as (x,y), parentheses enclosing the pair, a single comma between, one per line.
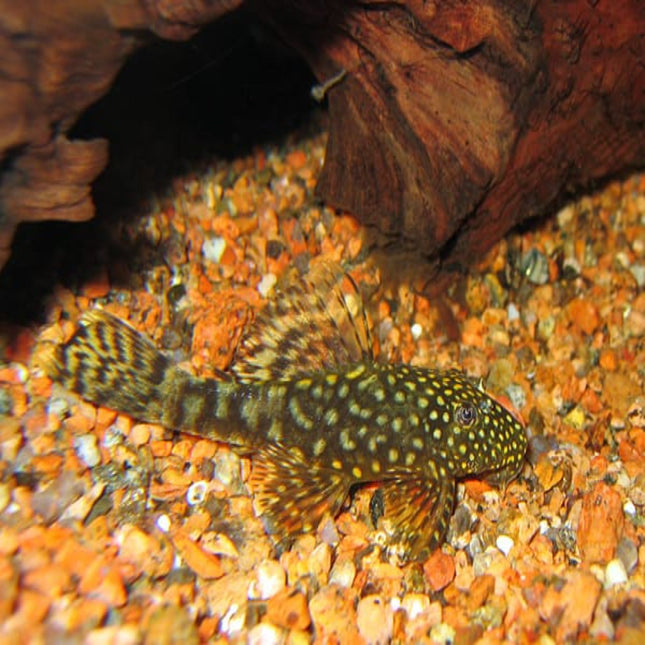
(453,120)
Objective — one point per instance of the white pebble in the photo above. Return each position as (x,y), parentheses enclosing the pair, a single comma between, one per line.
(270,579)
(163,523)
(266,284)
(416,330)
(504,543)
(213,248)
(415,604)
(265,634)
(87,449)
(57,407)
(21,372)
(196,493)
(629,508)
(343,573)
(615,573)
(234,620)
(512,312)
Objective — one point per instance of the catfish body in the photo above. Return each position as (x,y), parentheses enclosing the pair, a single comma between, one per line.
(315,425)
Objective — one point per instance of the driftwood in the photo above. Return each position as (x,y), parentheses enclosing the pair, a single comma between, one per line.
(450,121)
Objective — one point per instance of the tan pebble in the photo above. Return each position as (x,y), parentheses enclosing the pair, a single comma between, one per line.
(288,609)
(374,618)
(601,524)
(168,625)
(140,434)
(464,571)
(319,563)
(81,508)
(220,544)
(439,570)
(136,546)
(334,616)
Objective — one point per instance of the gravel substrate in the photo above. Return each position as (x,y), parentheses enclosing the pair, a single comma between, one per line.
(115,531)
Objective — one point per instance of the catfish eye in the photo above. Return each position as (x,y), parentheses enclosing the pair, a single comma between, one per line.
(466,414)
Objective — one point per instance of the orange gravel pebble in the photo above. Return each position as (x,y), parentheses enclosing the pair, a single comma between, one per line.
(204,564)
(601,523)
(439,570)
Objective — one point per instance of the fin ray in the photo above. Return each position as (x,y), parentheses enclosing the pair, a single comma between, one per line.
(418,509)
(292,496)
(315,323)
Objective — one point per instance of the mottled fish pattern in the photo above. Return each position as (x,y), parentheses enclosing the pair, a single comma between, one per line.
(316,411)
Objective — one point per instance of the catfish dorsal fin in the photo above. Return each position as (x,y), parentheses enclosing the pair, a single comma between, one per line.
(314,323)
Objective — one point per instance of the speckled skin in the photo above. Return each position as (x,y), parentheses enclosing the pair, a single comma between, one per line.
(315,434)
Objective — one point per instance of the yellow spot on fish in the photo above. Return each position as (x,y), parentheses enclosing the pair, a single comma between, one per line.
(423,403)
(376,467)
(397,424)
(379,394)
(417,443)
(331,379)
(319,447)
(346,442)
(356,372)
(303,384)
(331,416)
(336,464)
(393,455)
(357,472)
